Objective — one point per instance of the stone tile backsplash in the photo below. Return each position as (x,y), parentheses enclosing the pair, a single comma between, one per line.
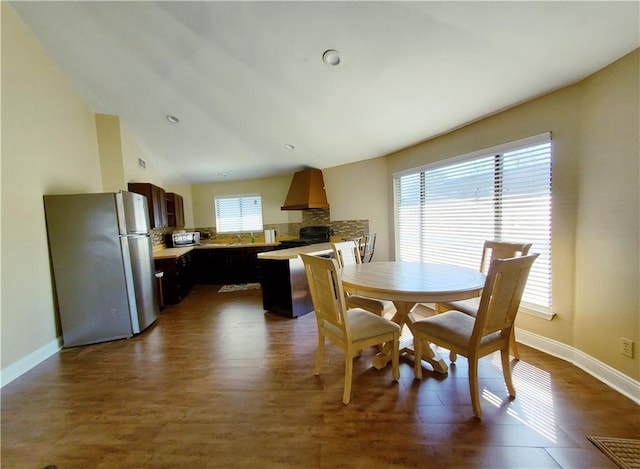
(341,228)
(158,235)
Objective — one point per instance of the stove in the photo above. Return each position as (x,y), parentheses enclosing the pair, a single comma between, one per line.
(309,235)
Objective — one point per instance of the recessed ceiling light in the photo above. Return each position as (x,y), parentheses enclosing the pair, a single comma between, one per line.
(173,119)
(331,57)
(289,146)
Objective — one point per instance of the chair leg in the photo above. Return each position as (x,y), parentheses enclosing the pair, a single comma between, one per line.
(453,356)
(473,386)
(513,345)
(348,373)
(319,355)
(506,371)
(395,358)
(417,355)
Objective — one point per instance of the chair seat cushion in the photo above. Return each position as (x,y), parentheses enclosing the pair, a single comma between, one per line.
(380,307)
(365,325)
(469,307)
(453,327)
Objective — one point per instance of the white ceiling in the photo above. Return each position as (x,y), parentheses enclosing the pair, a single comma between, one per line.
(246,78)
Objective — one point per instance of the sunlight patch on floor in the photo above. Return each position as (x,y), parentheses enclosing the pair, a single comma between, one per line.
(534,398)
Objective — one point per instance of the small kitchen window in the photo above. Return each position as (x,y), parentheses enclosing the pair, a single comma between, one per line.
(237,213)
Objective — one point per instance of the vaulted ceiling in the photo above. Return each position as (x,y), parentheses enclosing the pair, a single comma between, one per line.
(247,79)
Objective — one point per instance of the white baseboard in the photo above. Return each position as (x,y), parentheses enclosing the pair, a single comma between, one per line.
(23,365)
(601,371)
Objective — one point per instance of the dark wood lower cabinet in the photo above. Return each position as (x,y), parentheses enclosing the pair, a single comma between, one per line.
(228,265)
(178,277)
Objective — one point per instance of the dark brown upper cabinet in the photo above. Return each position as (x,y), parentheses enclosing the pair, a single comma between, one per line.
(175,210)
(157,201)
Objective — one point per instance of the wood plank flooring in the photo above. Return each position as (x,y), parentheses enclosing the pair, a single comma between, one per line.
(217,382)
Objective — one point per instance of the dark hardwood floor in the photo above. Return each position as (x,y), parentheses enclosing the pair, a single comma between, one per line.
(217,382)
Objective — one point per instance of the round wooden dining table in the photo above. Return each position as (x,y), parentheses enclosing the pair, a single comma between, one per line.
(408,283)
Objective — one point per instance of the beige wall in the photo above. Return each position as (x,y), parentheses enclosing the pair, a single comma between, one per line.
(110,150)
(119,153)
(273,191)
(595,237)
(360,191)
(608,240)
(49,146)
(131,151)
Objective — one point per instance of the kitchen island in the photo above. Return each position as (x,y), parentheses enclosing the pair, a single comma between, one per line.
(285,290)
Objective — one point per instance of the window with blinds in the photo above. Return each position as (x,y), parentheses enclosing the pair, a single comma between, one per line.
(445,212)
(238,213)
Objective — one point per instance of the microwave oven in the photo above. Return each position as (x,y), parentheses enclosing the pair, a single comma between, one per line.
(183,239)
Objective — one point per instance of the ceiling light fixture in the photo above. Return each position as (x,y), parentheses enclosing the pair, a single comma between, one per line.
(173,119)
(332,58)
(289,146)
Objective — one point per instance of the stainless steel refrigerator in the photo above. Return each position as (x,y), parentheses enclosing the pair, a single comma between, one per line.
(102,259)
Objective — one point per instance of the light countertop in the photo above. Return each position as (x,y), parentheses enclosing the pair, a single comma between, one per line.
(292,253)
(173,253)
(170,253)
(209,245)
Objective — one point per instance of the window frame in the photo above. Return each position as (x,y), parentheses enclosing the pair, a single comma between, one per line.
(540,310)
(242,227)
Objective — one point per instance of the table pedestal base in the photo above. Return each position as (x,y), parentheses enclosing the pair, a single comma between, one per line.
(404,316)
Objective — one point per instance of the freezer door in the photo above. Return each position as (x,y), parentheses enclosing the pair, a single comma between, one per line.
(133,215)
(141,282)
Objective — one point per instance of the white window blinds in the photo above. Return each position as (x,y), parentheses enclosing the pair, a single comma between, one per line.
(445,212)
(238,213)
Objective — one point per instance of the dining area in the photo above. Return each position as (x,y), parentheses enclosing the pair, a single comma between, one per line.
(419,309)
(222,375)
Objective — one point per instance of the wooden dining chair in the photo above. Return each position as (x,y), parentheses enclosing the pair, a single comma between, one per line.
(491,251)
(367,246)
(490,330)
(357,240)
(350,329)
(348,253)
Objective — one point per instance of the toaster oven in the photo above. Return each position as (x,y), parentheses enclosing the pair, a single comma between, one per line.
(181,239)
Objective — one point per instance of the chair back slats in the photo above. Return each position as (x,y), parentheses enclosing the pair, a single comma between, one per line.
(346,253)
(326,290)
(493,250)
(367,247)
(502,294)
